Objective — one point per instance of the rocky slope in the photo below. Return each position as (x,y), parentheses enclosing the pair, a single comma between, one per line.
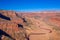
(12,25)
(29,26)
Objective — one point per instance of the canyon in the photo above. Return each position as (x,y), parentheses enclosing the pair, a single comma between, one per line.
(29,25)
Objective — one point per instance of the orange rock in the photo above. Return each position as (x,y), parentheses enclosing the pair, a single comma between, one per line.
(35,23)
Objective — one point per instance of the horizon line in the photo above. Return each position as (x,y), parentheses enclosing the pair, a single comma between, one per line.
(31,10)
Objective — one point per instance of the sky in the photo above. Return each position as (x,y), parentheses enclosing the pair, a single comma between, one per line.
(29,5)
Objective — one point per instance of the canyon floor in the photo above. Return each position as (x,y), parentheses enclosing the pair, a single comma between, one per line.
(29,26)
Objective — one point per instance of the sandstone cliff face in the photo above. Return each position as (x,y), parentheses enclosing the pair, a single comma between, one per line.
(11,26)
(29,26)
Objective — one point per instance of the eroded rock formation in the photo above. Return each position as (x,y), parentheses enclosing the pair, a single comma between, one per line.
(29,26)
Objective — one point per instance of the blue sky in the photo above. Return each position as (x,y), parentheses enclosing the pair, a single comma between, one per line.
(30,5)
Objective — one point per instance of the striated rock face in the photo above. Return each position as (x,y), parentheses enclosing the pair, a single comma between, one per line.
(29,26)
(11,26)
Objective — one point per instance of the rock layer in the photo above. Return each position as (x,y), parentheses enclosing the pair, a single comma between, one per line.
(30,26)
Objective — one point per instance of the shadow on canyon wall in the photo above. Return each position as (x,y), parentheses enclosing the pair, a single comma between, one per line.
(5,34)
(4,17)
